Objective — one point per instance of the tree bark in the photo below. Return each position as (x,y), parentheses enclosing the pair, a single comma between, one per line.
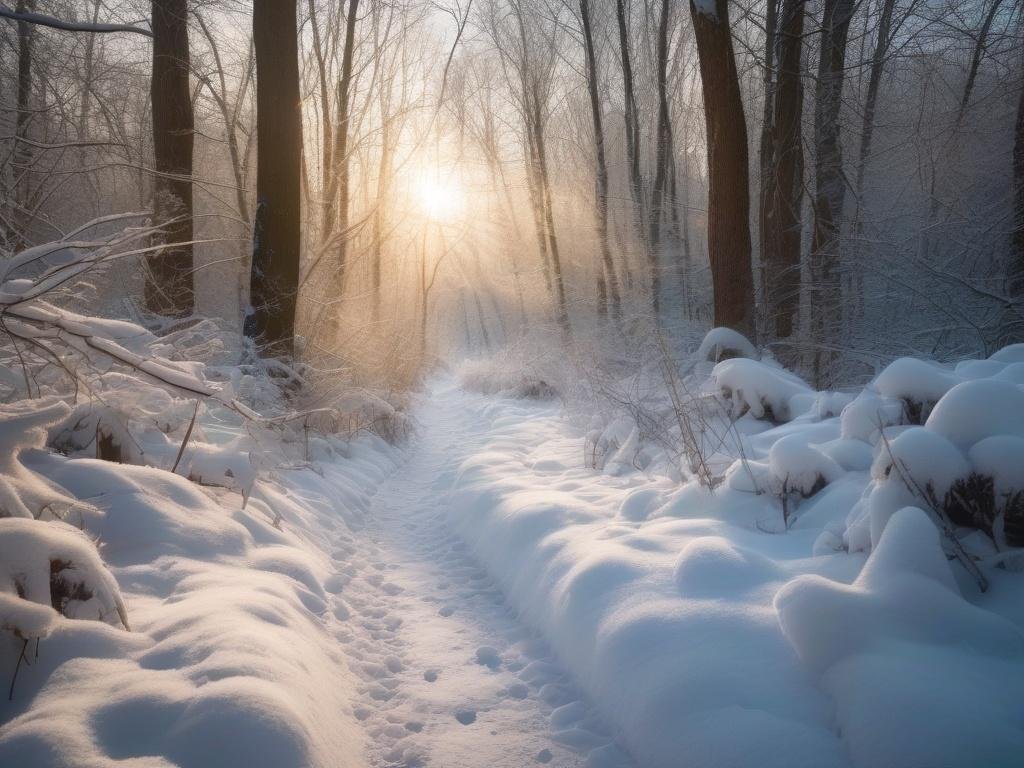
(830,188)
(1017,263)
(632,122)
(611,280)
(169,286)
(22,154)
(878,59)
(766,150)
(976,56)
(663,154)
(276,238)
(728,171)
(783,185)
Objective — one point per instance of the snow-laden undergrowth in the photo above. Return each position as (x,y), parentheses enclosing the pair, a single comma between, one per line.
(168,516)
(808,579)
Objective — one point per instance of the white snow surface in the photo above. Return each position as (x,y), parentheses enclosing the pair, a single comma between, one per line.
(491,594)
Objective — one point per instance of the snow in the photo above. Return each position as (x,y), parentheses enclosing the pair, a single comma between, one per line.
(723,343)
(302,593)
(918,674)
(916,381)
(974,410)
(763,391)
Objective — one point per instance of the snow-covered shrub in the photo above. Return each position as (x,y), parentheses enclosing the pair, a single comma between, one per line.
(868,413)
(724,344)
(22,492)
(53,565)
(762,390)
(917,383)
(965,465)
(499,376)
(794,470)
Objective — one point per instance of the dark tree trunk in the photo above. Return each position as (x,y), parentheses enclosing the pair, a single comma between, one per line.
(663,153)
(1017,264)
(783,185)
(976,56)
(830,188)
(276,237)
(169,285)
(729,191)
(766,150)
(610,283)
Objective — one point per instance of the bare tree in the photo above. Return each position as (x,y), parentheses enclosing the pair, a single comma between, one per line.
(728,171)
(276,237)
(632,123)
(609,277)
(664,161)
(830,183)
(169,285)
(782,182)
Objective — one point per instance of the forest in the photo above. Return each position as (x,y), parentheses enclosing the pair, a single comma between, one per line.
(463,383)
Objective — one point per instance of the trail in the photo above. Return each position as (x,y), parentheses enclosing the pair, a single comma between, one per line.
(449,677)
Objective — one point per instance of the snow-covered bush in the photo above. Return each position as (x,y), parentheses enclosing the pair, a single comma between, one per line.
(723,344)
(53,565)
(965,464)
(762,390)
(917,383)
(22,492)
(504,377)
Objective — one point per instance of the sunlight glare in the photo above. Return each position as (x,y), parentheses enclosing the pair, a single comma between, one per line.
(440,199)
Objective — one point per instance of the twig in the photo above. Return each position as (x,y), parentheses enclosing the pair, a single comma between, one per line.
(184,442)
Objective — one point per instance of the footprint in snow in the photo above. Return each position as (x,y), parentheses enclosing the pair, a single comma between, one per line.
(466,716)
(488,657)
(430,675)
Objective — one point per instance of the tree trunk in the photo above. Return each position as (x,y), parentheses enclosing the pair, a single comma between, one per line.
(766,150)
(632,121)
(830,188)
(169,286)
(276,238)
(610,283)
(326,161)
(878,59)
(782,188)
(339,186)
(22,154)
(663,154)
(976,56)
(1017,263)
(729,191)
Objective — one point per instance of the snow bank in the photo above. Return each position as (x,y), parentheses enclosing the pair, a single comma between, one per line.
(220,569)
(741,625)
(919,675)
(666,622)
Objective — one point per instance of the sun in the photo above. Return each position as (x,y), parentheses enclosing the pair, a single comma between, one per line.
(440,199)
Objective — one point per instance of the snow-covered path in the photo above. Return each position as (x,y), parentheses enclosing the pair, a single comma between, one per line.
(449,677)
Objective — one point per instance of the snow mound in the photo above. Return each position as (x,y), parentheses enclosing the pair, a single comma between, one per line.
(723,344)
(763,391)
(919,384)
(974,410)
(868,414)
(56,566)
(23,427)
(878,646)
(1014,353)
